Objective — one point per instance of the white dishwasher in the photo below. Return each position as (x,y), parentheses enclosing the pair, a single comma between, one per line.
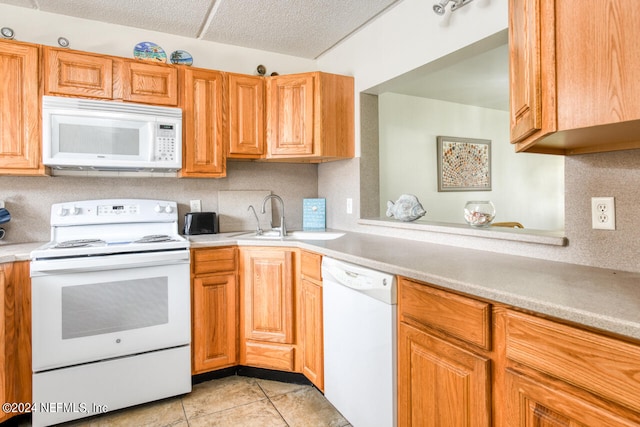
(359,310)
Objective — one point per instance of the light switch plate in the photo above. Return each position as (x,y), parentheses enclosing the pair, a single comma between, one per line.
(195,206)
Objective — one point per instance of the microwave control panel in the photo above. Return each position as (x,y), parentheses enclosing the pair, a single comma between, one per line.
(165,149)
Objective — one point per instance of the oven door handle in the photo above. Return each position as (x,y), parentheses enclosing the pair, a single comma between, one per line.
(109,262)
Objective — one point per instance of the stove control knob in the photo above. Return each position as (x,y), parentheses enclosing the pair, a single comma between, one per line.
(158,208)
(168,209)
(62,211)
(74,211)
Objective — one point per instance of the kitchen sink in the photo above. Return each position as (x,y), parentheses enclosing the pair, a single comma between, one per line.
(293,235)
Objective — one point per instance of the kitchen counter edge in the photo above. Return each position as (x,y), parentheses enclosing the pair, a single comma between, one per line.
(604,299)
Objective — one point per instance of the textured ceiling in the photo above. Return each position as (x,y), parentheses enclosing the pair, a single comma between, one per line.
(303,28)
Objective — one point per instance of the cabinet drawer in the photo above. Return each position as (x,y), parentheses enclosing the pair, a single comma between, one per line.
(601,365)
(208,261)
(458,316)
(311,265)
(274,356)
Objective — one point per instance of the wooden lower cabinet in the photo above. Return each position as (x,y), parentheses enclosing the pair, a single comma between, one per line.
(15,335)
(561,375)
(268,314)
(548,404)
(439,383)
(258,307)
(467,362)
(310,315)
(442,381)
(214,309)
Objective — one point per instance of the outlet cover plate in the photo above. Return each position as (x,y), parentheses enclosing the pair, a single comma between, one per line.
(603,213)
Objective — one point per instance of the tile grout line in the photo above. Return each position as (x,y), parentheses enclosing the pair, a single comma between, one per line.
(272,404)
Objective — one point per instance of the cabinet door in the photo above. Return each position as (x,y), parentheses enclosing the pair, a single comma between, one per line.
(290,115)
(15,334)
(246,116)
(312,341)
(525,68)
(149,83)
(534,403)
(215,319)
(77,74)
(203,124)
(20,130)
(440,384)
(268,295)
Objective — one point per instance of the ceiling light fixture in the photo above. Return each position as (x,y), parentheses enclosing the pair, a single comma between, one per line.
(440,7)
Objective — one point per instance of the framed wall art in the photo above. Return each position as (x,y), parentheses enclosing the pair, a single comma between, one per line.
(464,164)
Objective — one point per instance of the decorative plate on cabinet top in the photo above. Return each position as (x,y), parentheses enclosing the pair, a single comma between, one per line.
(181,57)
(148,51)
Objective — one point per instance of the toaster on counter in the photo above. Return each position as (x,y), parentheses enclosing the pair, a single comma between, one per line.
(200,223)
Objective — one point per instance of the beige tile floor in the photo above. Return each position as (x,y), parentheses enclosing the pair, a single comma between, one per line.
(230,402)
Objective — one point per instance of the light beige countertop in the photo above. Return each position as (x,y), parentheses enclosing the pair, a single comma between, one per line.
(600,298)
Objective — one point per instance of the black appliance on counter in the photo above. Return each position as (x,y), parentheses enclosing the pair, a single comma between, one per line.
(200,223)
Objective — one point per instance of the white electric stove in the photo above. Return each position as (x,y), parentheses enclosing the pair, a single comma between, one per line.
(111,323)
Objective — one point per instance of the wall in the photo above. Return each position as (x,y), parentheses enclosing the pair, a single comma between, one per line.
(92,36)
(410,35)
(29,199)
(528,188)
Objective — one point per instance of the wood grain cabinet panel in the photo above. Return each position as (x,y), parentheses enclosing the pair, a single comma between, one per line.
(15,334)
(311,319)
(149,83)
(601,365)
(574,75)
(536,403)
(440,384)
(20,129)
(215,319)
(444,363)
(73,73)
(203,124)
(458,316)
(310,117)
(214,309)
(246,116)
(268,315)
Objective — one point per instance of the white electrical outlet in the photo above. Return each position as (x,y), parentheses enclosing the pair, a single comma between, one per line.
(603,213)
(349,205)
(1,204)
(195,205)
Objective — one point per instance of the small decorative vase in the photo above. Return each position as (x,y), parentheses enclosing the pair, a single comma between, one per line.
(479,213)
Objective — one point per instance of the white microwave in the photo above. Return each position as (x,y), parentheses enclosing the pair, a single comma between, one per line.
(83,134)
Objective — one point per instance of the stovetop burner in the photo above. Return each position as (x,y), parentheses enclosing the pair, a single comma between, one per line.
(78,243)
(155,238)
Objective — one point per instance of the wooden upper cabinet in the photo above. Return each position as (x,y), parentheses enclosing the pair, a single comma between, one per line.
(246,116)
(149,83)
(310,117)
(203,123)
(75,73)
(290,107)
(20,129)
(575,75)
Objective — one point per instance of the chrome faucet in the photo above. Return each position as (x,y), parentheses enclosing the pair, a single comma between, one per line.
(258,229)
(283,228)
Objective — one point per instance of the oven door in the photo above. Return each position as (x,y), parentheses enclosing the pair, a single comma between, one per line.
(128,306)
